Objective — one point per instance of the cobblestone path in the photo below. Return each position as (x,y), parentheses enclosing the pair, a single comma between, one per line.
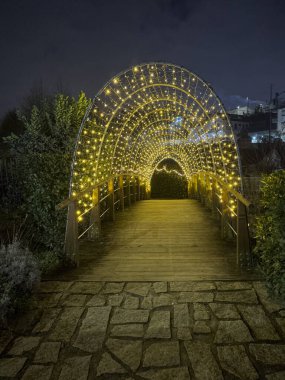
(147,330)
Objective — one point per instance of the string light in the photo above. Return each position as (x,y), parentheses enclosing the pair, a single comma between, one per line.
(149,113)
(171,171)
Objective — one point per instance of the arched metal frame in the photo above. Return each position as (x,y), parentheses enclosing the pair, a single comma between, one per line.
(146,114)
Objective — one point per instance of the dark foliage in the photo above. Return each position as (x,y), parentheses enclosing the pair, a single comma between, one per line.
(270,231)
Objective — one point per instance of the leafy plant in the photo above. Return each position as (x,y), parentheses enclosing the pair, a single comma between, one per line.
(48,262)
(44,153)
(168,185)
(19,273)
(270,231)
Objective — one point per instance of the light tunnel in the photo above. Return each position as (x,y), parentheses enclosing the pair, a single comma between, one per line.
(149,113)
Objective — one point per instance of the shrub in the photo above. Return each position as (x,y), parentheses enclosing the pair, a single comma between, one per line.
(48,262)
(168,185)
(270,231)
(19,273)
(44,152)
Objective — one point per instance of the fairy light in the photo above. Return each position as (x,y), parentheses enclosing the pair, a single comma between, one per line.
(147,114)
(171,171)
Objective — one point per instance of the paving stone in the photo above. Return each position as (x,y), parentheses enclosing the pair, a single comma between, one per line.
(53,286)
(24,344)
(271,354)
(75,300)
(127,351)
(195,297)
(203,362)
(232,332)
(132,330)
(282,313)
(190,286)
(184,333)
(97,301)
(163,300)
(233,285)
(162,354)
(159,325)
(5,338)
(47,352)
(113,287)
(200,312)
(235,361)
(180,373)
(122,316)
(139,288)
(93,329)
(239,296)
(47,319)
(266,299)
(27,320)
(276,376)
(48,300)
(160,287)
(146,303)
(201,327)
(38,372)
(224,311)
(258,322)
(86,287)
(108,365)
(66,324)
(281,323)
(115,299)
(131,302)
(181,315)
(75,368)
(9,367)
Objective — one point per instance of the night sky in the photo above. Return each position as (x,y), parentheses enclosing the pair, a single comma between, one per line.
(238,46)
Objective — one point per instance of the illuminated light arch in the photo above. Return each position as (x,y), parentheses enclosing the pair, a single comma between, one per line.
(148,113)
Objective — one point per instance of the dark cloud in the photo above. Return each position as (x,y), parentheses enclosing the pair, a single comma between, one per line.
(180,9)
(237,46)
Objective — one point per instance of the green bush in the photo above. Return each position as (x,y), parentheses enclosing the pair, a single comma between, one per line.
(270,231)
(168,185)
(48,262)
(44,153)
(19,273)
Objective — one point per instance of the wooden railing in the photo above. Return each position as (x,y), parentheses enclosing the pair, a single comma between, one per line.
(229,207)
(115,193)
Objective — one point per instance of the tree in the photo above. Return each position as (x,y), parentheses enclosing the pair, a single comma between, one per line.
(11,124)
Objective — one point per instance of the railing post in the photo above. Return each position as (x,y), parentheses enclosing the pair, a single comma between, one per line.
(71,234)
(134,189)
(147,191)
(190,189)
(203,189)
(214,199)
(111,204)
(129,201)
(198,188)
(243,248)
(139,190)
(224,215)
(208,192)
(143,192)
(95,221)
(121,192)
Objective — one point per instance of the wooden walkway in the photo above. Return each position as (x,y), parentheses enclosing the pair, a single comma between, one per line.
(159,240)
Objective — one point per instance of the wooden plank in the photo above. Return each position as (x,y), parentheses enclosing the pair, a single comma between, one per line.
(159,240)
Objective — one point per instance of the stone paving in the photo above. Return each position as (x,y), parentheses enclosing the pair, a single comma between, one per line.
(144,330)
